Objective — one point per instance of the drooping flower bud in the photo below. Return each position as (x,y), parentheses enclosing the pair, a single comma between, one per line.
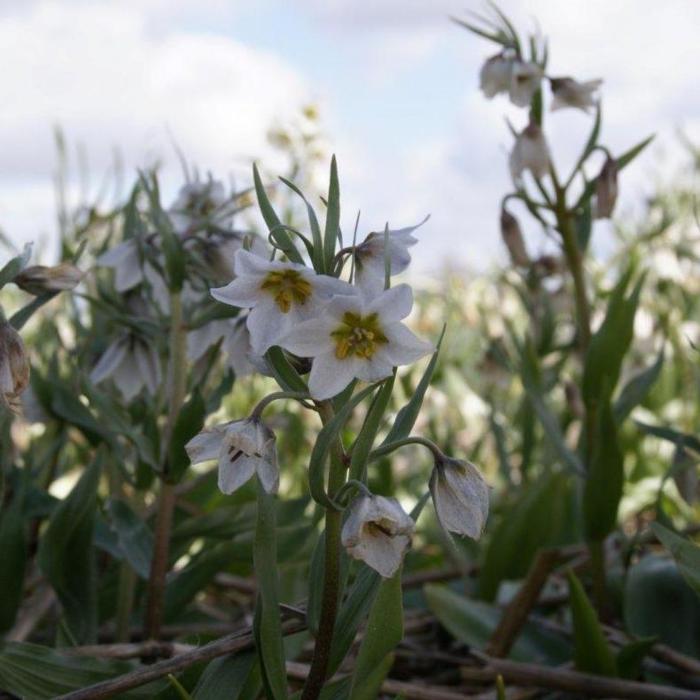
(39,279)
(14,366)
(530,152)
(525,79)
(512,236)
(606,189)
(495,75)
(570,93)
(377,531)
(460,496)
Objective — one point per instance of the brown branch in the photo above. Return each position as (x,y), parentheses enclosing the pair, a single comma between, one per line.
(220,647)
(151,649)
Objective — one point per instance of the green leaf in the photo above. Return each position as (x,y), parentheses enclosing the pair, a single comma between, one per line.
(630,658)
(189,422)
(332,230)
(287,377)
(274,224)
(11,269)
(38,673)
(605,477)
(67,558)
(329,433)
(317,256)
(68,407)
(685,552)
(13,546)
(383,633)
(591,651)
(135,539)
(19,318)
(584,225)
(225,678)
(637,389)
(671,435)
(628,156)
(406,417)
(267,625)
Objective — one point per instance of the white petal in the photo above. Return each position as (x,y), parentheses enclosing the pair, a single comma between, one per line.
(310,338)
(329,375)
(266,324)
(127,378)
(110,360)
(267,470)
(248,263)
(148,364)
(202,338)
(327,286)
(393,304)
(383,554)
(238,350)
(206,445)
(373,369)
(404,347)
(233,474)
(243,292)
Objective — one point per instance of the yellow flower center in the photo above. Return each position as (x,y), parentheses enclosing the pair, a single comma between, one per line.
(358,336)
(287,287)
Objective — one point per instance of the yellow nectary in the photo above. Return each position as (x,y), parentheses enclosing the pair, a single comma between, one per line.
(287,287)
(358,335)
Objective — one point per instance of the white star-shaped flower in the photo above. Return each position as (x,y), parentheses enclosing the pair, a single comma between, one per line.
(279,295)
(377,531)
(357,337)
(242,448)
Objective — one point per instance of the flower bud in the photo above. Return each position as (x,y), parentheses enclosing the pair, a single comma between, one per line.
(14,366)
(513,238)
(377,531)
(39,279)
(606,189)
(495,75)
(460,496)
(530,152)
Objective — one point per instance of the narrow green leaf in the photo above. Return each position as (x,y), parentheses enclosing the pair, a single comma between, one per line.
(637,389)
(671,435)
(188,423)
(225,678)
(12,268)
(332,229)
(67,558)
(591,651)
(135,539)
(630,658)
(584,225)
(628,156)
(317,256)
(685,552)
(287,377)
(19,318)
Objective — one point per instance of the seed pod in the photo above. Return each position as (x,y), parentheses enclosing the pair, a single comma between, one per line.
(14,366)
(512,236)
(606,189)
(39,279)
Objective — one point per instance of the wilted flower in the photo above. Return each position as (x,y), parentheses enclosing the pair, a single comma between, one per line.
(371,258)
(198,203)
(513,238)
(377,531)
(495,75)
(280,296)
(39,279)
(132,364)
(606,189)
(460,496)
(243,448)
(530,152)
(14,366)
(359,336)
(525,79)
(570,93)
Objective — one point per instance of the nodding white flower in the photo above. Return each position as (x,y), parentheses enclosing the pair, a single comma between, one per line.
(378,532)
(370,256)
(38,279)
(525,79)
(570,93)
(280,296)
(512,236)
(495,76)
(606,189)
(358,336)
(14,367)
(460,496)
(530,152)
(132,364)
(199,203)
(235,343)
(126,261)
(243,448)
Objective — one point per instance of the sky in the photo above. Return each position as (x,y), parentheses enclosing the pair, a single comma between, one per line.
(396,82)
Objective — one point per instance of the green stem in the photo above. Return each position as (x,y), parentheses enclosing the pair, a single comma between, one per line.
(125,601)
(600,594)
(331,578)
(177,382)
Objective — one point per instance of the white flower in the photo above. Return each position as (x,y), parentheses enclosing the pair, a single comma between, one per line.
(125,260)
(243,448)
(370,258)
(38,279)
(235,343)
(280,296)
(525,79)
(495,76)
(460,496)
(358,336)
(377,531)
(199,203)
(570,93)
(14,366)
(132,364)
(530,152)
(606,189)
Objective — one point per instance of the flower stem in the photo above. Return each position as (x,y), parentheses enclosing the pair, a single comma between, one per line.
(331,578)
(177,382)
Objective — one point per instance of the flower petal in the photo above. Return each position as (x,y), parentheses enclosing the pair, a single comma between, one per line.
(329,375)
(243,292)
(310,338)
(206,445)
(111,359)
(234,471)
(393,304)
(404,347)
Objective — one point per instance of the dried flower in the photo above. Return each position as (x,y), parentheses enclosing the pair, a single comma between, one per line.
(39,279)
(530,152)
(513,238)
(495,76)
(460,496)
(377,531)
(606,189)
(570,93)
(525,79)
(14,366)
